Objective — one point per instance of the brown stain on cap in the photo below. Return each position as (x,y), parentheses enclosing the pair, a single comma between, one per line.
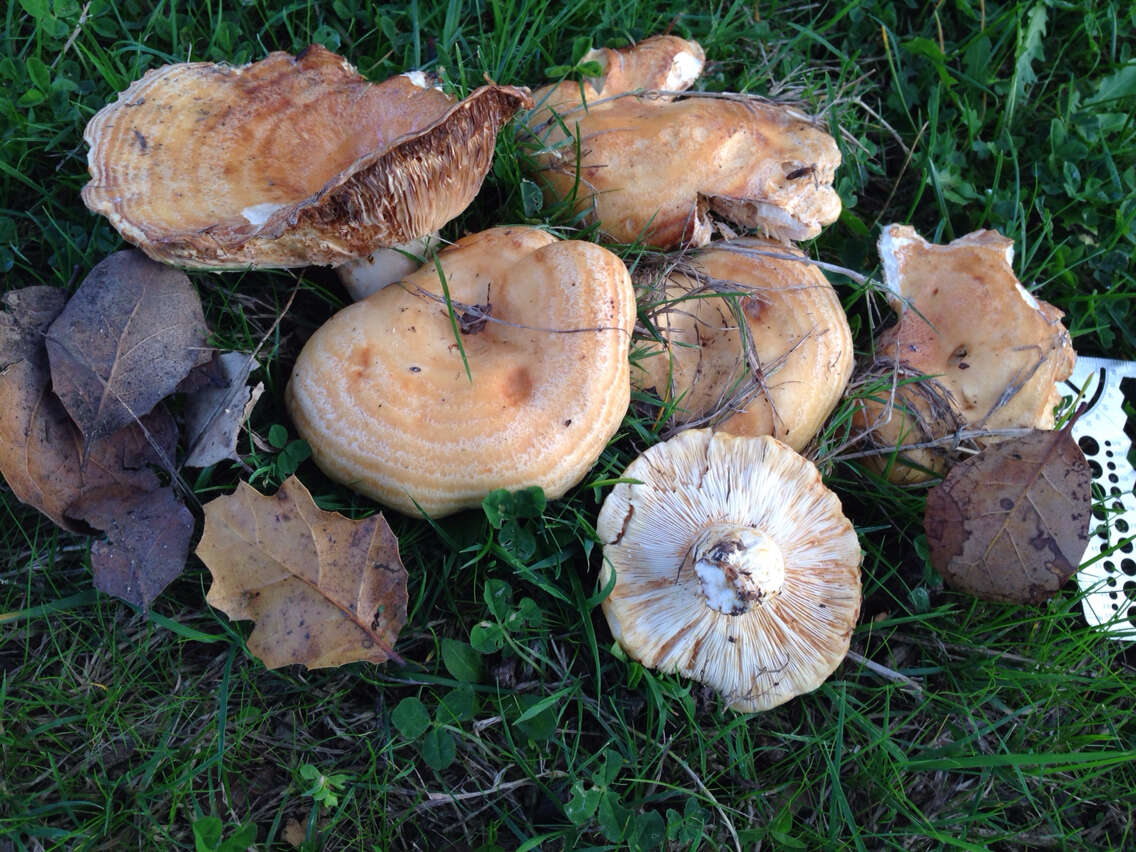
(516,386)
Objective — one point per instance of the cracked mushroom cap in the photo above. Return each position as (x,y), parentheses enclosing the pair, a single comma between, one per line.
(381,394)
(653,168)
(288,161)
(734,565)
(666,63)
(972,348)
(801,355)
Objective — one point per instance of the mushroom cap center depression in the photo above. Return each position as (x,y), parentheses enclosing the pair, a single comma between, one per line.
(737,567)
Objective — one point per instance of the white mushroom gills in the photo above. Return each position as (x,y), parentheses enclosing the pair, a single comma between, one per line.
(738,567)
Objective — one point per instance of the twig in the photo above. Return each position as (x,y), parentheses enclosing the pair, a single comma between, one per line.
(483,314)
(950,647)
(74,33)
(433,800)
(705,792)
(862,280)
(252,364)
(910,684)
(945,440)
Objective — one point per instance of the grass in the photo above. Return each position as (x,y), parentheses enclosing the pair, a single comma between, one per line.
(518,724)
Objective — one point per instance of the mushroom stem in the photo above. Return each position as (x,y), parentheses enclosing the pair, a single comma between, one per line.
(737,566)
(366,275)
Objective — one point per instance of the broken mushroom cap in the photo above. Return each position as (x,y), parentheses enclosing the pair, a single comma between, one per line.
(782,377)
(733,565)
(972,349)
(653,169)
(663,63)
(382,395)
(288,161)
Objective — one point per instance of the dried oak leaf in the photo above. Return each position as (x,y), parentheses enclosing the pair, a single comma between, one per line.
(324,590)
(1011,523)
(41,451)
(146,544)
(214,414)
(132,331)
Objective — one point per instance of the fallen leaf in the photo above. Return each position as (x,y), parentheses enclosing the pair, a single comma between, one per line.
(132,331)
(207,375)
(214,415)
(1011,523)
(27,314)
(40,448)
(324,590)
(146,544)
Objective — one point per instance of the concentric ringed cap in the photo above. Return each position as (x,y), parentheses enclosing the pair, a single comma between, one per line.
(288,161)
(381,393)
(734,566)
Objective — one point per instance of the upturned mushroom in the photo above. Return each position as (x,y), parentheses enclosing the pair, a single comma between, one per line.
(733,565)
(502,365)
(972,350)
(752,340)
(288,161)
(649,166)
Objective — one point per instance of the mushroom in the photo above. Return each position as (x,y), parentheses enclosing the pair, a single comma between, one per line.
(782,376)
(518,377)
(733,565)
(650,167)
(972,349)
(288,161)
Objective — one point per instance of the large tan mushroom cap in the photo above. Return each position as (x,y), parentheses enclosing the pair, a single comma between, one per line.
(799,343)
(734,566)
(381,393)
(288,161)
(994,353)
(652,168)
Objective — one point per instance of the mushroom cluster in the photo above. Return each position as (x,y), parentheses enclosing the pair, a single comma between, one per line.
(728,560)
(504,364)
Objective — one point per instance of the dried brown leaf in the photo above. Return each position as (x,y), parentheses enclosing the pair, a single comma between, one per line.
(324,590)
(214,415)
(1011,523)
(132,331)
(40,448)
(294,834)
(146,544)
(207,375)
(28,313)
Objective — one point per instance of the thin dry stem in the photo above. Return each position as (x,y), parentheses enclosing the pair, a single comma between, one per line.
(484,313)
(910,684)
